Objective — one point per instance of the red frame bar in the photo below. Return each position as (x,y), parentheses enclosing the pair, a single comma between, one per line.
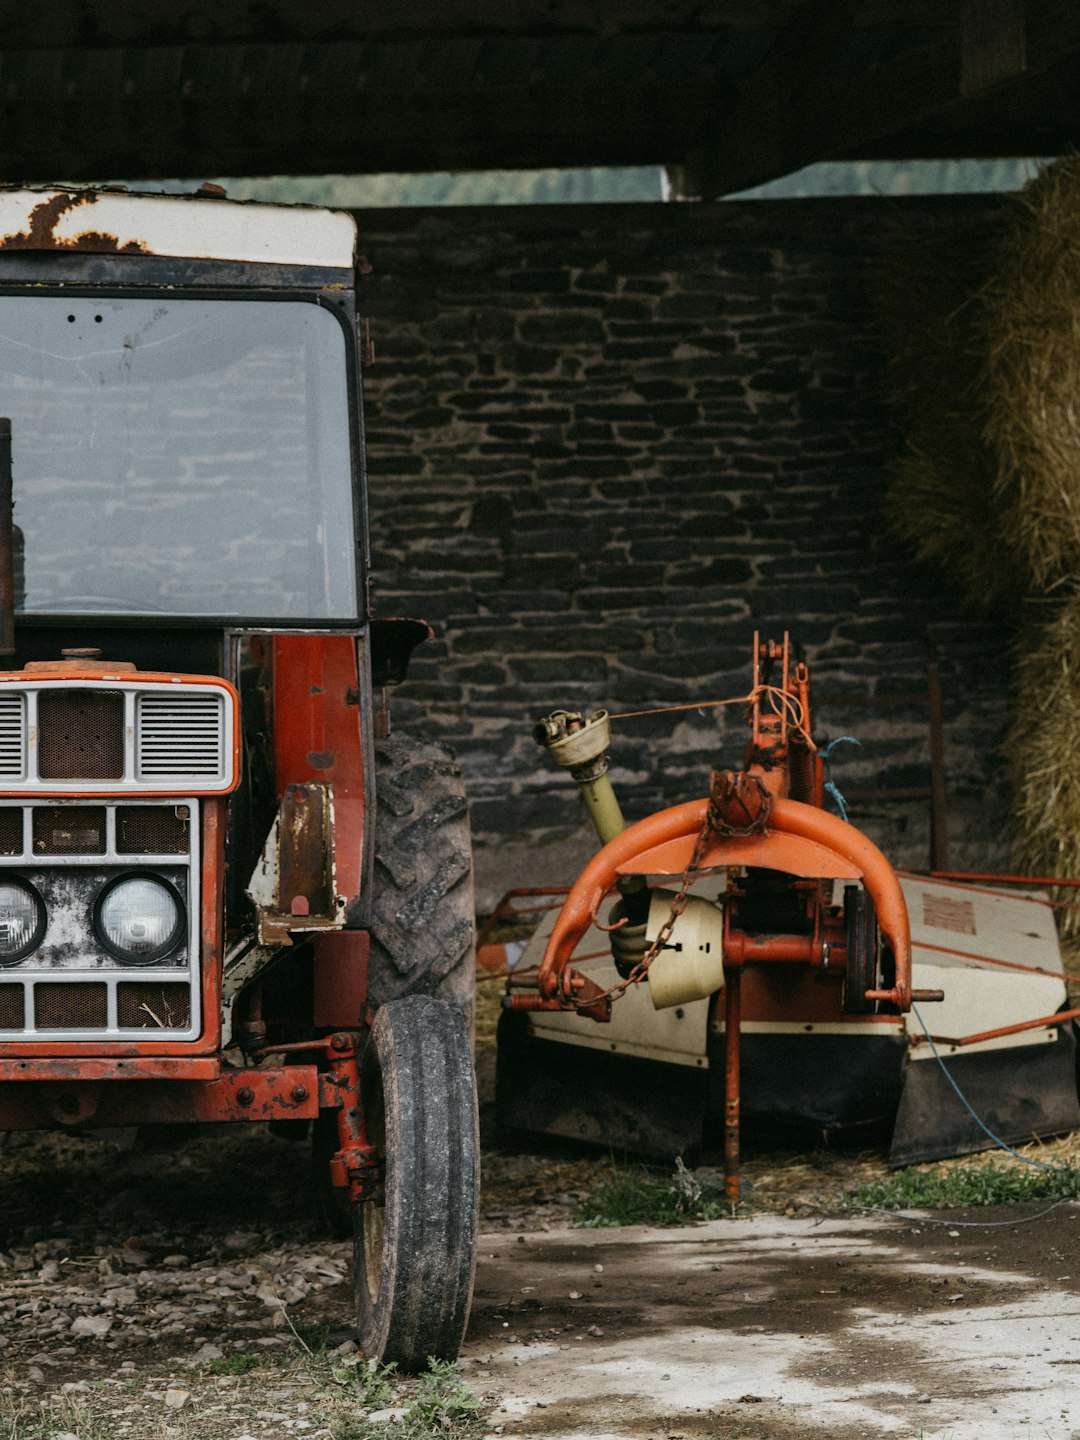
(288,1092)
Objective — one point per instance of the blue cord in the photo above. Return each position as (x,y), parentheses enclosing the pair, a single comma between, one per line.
(830,787)
(1039,1164)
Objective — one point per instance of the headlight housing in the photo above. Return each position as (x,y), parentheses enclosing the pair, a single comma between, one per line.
(139,918)
(22,920)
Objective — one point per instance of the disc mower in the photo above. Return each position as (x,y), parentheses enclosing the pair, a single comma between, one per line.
(763,956)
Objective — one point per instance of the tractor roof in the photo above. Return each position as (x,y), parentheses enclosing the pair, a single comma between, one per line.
(198,226)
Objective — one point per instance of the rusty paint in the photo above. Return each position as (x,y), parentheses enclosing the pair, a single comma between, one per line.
(77,1065)
(40,234)
(321,759)
(294,881)
(312,674)
(286,1092)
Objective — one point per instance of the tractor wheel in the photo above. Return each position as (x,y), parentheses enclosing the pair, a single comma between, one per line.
(422,921)
(862,969)
(415,1240)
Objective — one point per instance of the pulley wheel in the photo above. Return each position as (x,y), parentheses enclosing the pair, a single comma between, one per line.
(862,969)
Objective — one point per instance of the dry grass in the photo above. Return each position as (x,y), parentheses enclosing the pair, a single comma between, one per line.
(1030,323)
(941,490)
(986,361)
(1044,749)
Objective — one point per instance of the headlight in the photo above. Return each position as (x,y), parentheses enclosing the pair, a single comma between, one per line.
(139,918)
(22,920)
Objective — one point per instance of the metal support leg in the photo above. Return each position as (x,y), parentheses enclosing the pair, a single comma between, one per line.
(732,1021)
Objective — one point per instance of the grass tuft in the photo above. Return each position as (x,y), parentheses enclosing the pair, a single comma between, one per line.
(633,1195)
(441,1404)
(239,1363)
(988,1184)
(343,1393)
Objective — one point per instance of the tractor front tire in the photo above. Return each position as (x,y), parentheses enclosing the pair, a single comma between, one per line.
(422,921)
(415,1238)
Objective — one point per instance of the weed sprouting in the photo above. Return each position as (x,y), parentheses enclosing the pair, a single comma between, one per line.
(238,1363)
(368,1384)
(637,1196)
(342,1392)
(64,1417)
(442,1404)
(986,1184)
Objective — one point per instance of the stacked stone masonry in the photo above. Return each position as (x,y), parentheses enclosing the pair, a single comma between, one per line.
(605,445)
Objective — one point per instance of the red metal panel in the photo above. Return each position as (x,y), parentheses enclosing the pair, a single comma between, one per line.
(76,1064)
(341,978)
(317,735)
(289,1092)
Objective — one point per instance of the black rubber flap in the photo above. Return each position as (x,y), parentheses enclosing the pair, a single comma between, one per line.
(1020,1094)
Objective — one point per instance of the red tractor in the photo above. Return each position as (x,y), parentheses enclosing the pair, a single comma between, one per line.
(227,892)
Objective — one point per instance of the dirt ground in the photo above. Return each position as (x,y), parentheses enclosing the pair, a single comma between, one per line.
(956,1326)
(175,1284)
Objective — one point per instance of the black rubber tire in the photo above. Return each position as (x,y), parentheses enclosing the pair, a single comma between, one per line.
(422,921)
(862,969)
(415,1244)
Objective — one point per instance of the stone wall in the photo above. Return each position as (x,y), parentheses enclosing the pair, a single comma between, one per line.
(605,445)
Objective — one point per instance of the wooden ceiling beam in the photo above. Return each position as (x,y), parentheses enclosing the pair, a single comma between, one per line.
(803,106)
(98,23)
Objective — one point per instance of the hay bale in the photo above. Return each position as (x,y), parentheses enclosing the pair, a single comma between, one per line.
(1044,747)
(1029,313)
(941,491)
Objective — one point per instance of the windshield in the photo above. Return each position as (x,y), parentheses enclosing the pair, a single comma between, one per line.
(179,457)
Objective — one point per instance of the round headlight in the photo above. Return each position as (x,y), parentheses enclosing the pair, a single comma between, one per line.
(139,919)
(22,920)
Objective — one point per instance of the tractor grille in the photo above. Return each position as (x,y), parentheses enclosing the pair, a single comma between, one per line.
(11,831)
(12,737)
(151,830)
(179,736)
(81,735)
(70,1007)
(69,829)
(11,1007)
(171,738)
(153,1007)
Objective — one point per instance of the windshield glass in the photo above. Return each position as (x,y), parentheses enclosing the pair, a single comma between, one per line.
(179,457)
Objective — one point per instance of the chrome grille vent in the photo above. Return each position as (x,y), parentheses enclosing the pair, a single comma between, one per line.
(11,831)
(12,737)
(153,1007)
(11,1007)
(151,830)
(180,737)
(70,1007)
(81,735)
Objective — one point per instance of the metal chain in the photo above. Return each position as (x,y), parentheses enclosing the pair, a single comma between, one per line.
(678,905)
(711,824)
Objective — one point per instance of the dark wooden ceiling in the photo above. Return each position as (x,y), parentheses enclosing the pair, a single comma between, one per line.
(736,91)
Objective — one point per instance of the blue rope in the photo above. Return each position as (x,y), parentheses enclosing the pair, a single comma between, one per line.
(830,787)
(1039,1164)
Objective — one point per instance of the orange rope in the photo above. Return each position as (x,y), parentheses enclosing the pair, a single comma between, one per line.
(779,701)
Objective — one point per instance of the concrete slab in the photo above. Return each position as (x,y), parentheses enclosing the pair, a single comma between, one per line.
(964,1328)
